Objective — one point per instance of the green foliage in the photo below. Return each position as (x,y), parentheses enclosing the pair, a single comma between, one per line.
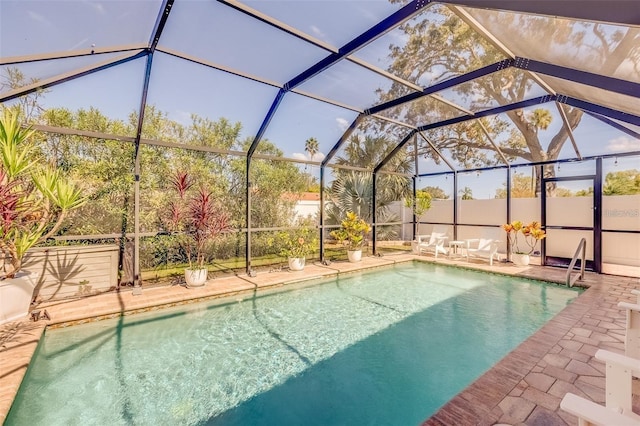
(522,186)
(466,193)
(624,182)
(34,198)
(422,202)
(297,243)
(436,192)
(353,231)
(352,191)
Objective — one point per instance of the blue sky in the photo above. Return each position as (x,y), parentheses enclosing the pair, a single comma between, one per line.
(218,34)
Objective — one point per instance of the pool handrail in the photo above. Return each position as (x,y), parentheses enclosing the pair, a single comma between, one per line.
(572,278)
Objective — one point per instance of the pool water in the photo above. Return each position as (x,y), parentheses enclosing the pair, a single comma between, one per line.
(373,348)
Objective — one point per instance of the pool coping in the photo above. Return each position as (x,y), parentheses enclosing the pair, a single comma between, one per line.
(483,402)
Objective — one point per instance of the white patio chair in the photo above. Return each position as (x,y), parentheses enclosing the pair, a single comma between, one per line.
(485,247)
(620,371)
(434,242)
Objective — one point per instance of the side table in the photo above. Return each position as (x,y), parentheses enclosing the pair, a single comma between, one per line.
(456,247)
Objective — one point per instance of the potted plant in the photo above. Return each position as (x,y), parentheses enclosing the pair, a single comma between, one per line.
(352,233)
(34,201)
(529,236)
(296,245)
(196,219)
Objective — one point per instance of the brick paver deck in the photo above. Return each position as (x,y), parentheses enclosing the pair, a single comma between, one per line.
(525,387)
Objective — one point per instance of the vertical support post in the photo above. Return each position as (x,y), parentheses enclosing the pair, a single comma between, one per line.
(413,213)
(543,215)
(508,208)
(247,253)
(597,217)
(373,212)
(137,282)
(455,204)
(321,227)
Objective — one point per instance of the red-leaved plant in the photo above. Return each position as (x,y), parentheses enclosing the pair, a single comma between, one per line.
(195,218)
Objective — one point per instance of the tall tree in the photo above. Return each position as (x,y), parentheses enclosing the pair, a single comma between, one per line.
(312,147)
(353,190)
(624,182)
(444,47)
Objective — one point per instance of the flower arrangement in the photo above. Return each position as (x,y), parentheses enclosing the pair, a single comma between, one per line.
(352,232)
(298,243)
(531,234)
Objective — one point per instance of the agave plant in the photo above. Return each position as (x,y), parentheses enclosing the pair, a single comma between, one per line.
(34,200)
(195,218)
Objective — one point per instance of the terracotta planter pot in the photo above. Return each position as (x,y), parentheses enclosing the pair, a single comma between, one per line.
(195,277)
(296,263)
(354,255)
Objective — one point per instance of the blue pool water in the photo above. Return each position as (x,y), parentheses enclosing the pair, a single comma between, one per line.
(372,348)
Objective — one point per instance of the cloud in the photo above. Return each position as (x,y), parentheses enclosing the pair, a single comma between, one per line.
(342,124)
(317,32)
(318,156)
(299,156)
(622,144)
(39,18)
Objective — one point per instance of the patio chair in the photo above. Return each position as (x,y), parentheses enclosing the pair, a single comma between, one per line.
(632,333)
(433,242)
(485,247)
(620,371)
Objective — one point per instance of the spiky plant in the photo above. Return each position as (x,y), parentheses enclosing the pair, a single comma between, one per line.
(34,200)
(196,219)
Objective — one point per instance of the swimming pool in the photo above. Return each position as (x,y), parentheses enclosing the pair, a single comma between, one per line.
(383,347)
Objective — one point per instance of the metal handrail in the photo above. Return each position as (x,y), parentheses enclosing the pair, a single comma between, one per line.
(571,279)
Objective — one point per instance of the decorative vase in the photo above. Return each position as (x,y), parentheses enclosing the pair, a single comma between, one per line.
(195,277)
(16,295)
(520,259)
(296,263)
(354,255)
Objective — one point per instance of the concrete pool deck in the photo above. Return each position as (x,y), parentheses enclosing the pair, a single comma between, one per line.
(525,387)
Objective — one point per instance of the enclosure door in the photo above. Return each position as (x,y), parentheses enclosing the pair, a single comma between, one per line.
(569,213)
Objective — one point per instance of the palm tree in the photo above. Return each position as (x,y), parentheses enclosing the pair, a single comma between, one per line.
(312,147)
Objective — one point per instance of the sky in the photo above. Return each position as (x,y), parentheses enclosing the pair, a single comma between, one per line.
(218,34)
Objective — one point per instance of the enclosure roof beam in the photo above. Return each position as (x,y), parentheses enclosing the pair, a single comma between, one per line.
(493,111)
(265,123)
(393,152)
(614,124)
(565,120)
(604,82)
(360,41)
(493,143)
(343,138)
(72,75)
(161,21)
(614,11)
(489,69)
(437,151)
(11,60)
(241,7)
(601,110)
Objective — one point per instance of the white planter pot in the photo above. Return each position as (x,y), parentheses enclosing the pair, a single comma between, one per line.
(16,295)
(195,277)
(520,259)
(354,255)
(296,263)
